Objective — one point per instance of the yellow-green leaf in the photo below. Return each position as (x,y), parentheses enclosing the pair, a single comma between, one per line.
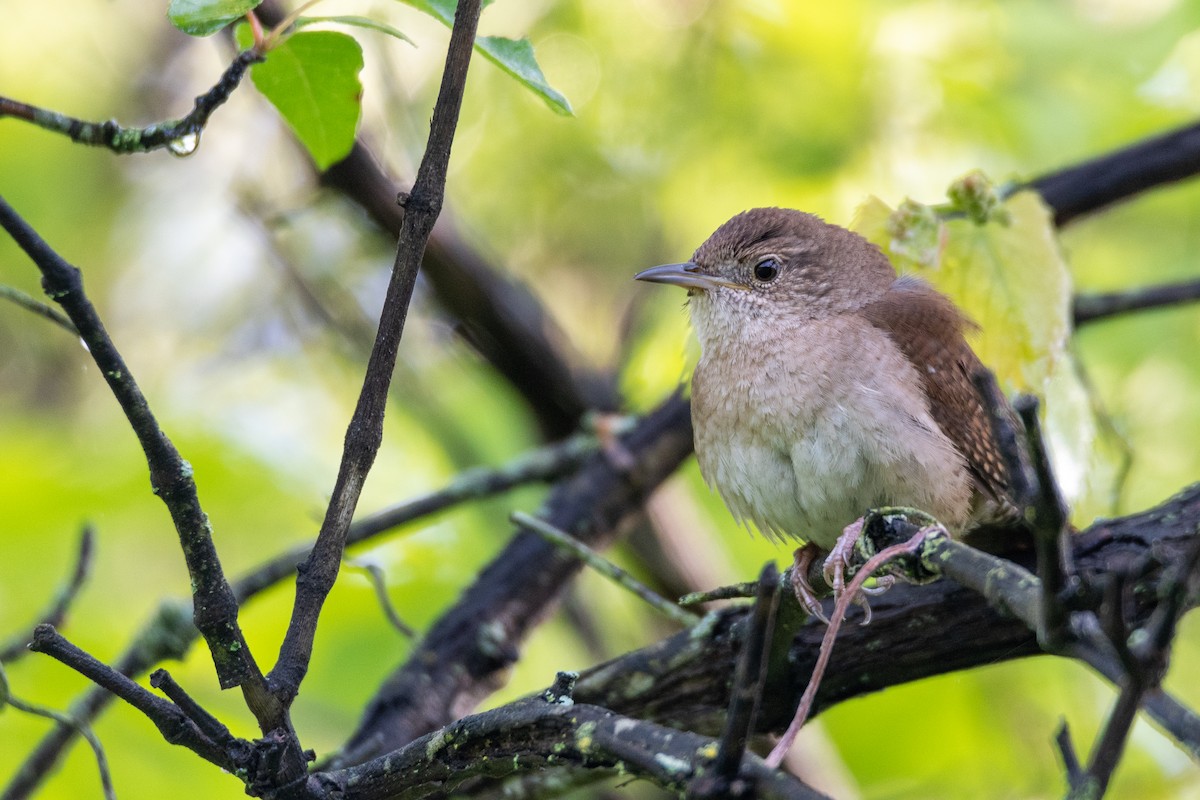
(514,56)
(1009,275)
(205,17)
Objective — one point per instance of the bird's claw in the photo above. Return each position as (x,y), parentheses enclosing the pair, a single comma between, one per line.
(839,562)
(804,557)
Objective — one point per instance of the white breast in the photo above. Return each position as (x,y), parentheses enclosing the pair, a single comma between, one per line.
(802,450)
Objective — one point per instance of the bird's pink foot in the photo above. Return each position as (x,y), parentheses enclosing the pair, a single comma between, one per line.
(804,557)
(839,561)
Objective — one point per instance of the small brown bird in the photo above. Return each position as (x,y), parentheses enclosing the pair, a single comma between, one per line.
(827,386)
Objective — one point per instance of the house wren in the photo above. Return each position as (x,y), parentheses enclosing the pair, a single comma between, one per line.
(827,386)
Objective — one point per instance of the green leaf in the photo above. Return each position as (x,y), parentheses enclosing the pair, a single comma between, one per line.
(312,78)
(206,17)
(1008,273)
(361,22)
(441,10)
(514,56)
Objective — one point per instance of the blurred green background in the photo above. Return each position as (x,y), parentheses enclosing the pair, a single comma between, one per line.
(686,112)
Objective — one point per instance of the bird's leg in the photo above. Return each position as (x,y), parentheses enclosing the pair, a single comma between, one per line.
(836,564)
(608,430)
(839,561)
(839,614)
(804,557)
(839,557)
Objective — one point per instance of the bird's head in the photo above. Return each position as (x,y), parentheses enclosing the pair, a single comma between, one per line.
(769,264)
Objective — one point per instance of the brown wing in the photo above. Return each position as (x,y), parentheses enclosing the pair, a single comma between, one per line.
(930,329)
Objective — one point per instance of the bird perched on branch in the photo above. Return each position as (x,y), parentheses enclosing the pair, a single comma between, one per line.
(828,386)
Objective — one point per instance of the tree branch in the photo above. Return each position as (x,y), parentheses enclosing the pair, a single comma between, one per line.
(475,641)
(171,722)
(1096,307)
(1088,187)
(180,136)
(365,432)
(168,635)
(684,679)
(534,734)
(215,610)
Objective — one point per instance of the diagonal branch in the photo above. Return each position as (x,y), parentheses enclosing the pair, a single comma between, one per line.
(215,609)
(365,432)
(1088,187)
(174,725)
(1096,307)
(168,635)
(499,317)
(28,303)
(180,136)
(476,641)
(15,647)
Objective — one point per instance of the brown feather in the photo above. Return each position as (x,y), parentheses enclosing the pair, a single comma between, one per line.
(930,331)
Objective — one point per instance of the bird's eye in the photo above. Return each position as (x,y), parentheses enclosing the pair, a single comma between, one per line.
(767,269)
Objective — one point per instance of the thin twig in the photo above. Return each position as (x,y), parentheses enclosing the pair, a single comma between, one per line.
(174,726)
(28,303)
(83,730)
(735,591)
(170,476)
(748,681)
(1111,619)
(1107,752)
(1096,307)
(1176,719)
(365,432)
(17,645)
(378,582)
(1144,662)
(1048,514)
(180,136)
(1066,748)
(208,725)
(603,566)
(168,635)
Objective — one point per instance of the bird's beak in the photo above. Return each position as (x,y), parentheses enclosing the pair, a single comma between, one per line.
(686,275)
